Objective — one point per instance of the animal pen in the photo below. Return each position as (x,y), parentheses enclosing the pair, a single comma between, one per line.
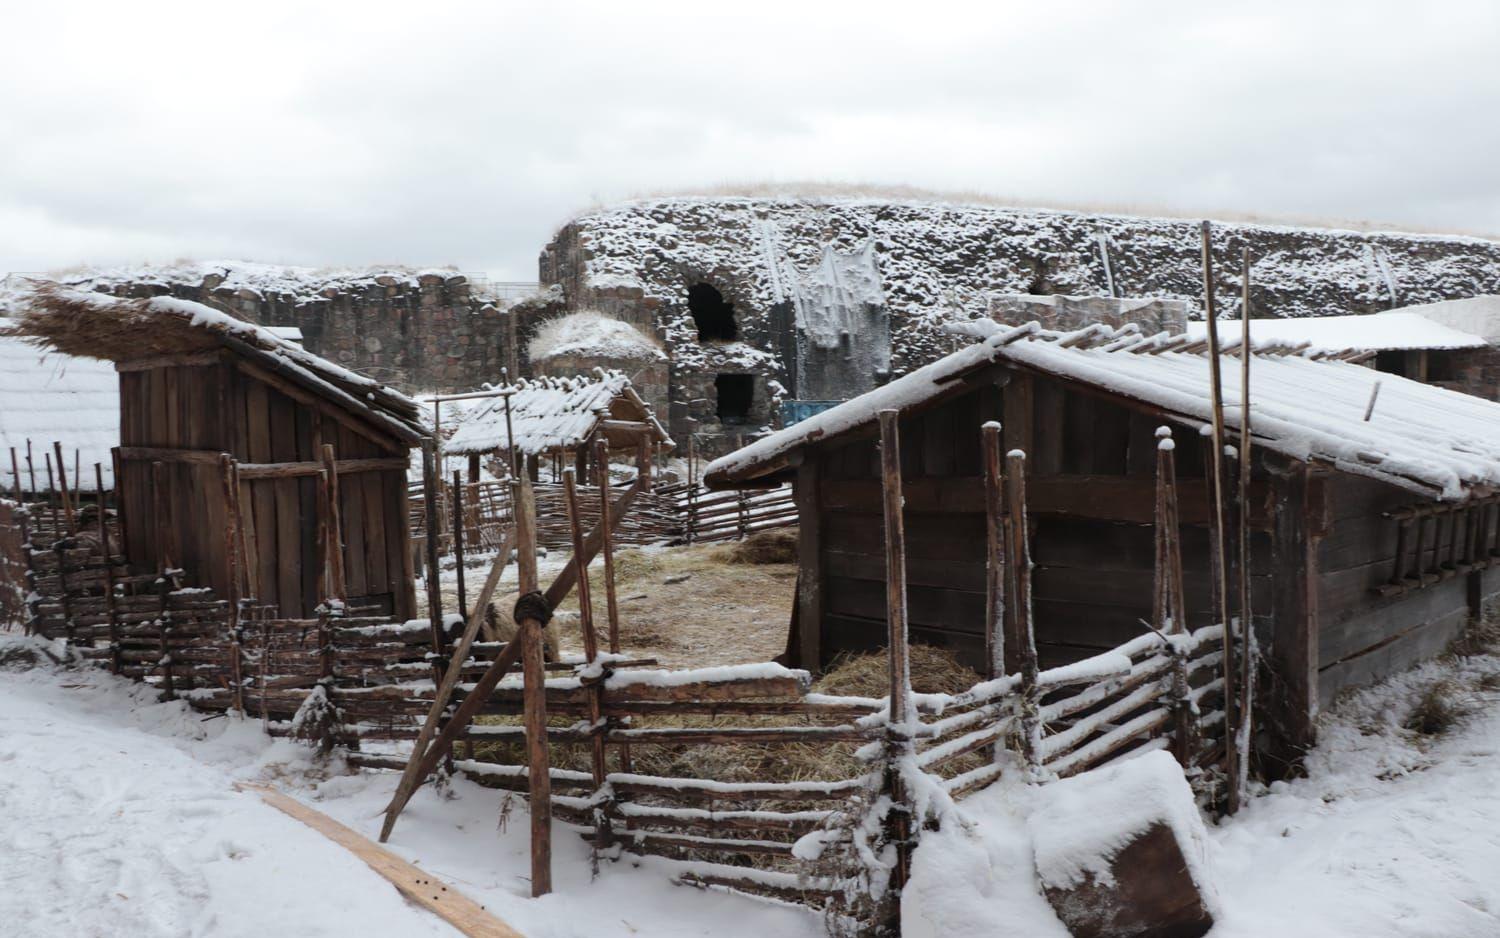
(426,696)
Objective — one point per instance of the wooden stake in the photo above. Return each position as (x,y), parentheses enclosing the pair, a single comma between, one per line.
(30,467)
(1245,709)
(534,691)
(898,733)
(602,833)
(994,584)
(337,587)
(1019,566)
(109,573)
(232,577)
(164,584)
(1218,554)
(62,487)
(611,600)
(15,475)
(120,519)
(458,539)
(434,588)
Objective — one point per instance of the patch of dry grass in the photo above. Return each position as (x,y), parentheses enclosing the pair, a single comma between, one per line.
(1440,708)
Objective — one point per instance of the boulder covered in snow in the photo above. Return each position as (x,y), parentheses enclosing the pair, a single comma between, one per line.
(1120,852)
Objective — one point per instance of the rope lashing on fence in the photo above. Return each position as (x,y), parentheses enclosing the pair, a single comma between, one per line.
(532,605)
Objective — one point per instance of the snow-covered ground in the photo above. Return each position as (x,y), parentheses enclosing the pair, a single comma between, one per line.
(118,816)
(1392,835)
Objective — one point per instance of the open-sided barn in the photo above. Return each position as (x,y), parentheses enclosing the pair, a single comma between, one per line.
(207,401)
(1372,513)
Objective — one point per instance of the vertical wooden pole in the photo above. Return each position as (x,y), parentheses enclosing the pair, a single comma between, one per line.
(534,692)
(121,521)
(232,578)
(1218,552)
(165,546)
(1248,656)
(994,571)
(109,574)
(1172,613)
(510,437)
(15,474)
(602,830)
(62,487)
(898,732)
(611,599)
(1019,567)
(30,467)
(458,539)
(430,484)
(809,609)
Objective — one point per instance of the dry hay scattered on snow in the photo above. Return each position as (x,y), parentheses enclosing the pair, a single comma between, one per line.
(778,545)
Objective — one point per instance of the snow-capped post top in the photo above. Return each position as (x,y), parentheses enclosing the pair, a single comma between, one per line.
(1164,440)
(991,425)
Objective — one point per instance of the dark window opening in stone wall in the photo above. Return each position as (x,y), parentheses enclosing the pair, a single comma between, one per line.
(711,314)
(735,395)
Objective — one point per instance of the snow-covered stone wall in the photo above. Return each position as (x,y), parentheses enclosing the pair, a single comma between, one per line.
(934,263)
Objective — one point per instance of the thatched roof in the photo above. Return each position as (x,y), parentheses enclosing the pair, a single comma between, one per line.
(95,325)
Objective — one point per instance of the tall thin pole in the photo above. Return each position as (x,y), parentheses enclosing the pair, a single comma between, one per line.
(1247,621)
(994,571)
(897,732)
(1216,510)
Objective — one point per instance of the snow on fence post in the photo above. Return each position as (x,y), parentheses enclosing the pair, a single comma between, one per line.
(602,811)
(1019,569)
(1170,607)
(899,745)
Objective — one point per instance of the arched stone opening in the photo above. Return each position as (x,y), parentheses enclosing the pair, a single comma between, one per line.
(712,314)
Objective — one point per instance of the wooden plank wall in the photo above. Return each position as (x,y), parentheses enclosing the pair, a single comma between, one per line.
(1363,636)
(217,407)
(1093,578)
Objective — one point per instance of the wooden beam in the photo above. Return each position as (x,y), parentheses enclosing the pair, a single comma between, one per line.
(190,360)
(286,470)
(416,884)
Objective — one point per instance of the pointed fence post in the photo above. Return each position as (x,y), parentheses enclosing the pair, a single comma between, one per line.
(602,829)
(995,535)
(898,731)
(1019,570)
(1170,611)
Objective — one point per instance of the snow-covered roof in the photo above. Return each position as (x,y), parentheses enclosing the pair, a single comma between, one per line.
(279,280)
(113,329)
(592,333)
(48,397)
(1398,330)
(1478,315)
(548,414)
(1305,406)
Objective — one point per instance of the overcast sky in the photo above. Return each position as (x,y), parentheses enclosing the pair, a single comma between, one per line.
(437,133)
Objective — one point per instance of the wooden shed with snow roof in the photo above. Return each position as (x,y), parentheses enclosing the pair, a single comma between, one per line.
(1373,542)
(206,399)
(557,417)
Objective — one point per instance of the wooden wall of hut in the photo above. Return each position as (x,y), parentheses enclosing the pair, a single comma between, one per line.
(222,405)
(1091,496)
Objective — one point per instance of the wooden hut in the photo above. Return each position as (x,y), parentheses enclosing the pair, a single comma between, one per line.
(556,418)
(1373,540)
(205,399)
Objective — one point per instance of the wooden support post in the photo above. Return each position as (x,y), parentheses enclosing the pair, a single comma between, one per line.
(109,574)
(473,467)
(121,521)
(1244,709)
(994,571)
(602,828)
(898,732)
(232,578)
(30,467)
(809,610)
(430,484)
(1018,556)
(458,539)
(15,475)
(534,693)
(611,597)
(62,488)
(1292,705)
(1171,614)
(165,574)
(1218,551)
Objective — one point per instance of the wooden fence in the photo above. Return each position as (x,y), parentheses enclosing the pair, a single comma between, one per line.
(704,767)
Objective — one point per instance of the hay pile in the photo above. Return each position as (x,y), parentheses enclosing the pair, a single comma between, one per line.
(933,670)
(775,546)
